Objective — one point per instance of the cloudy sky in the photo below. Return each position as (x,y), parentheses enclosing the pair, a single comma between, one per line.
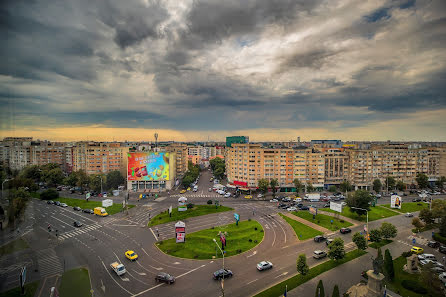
(193,70)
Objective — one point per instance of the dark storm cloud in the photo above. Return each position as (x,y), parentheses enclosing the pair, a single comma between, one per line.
(314,58)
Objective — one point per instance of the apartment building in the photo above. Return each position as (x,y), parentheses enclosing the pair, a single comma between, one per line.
(181,151)
(99,157)
(336,165)
(205,152)
(47,152)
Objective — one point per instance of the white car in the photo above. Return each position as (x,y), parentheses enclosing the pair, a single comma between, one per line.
(343,203)
(274,200)
(264,265)
(260,196)
(292,208)
(408,215)
(63,205)
(227,195)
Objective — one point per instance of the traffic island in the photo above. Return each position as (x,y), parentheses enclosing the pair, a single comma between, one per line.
(75,283)
(13,246)
(302,231)
(409,206)
(375,213)
(325,221)
(192,211)
(84,204)
(200,245)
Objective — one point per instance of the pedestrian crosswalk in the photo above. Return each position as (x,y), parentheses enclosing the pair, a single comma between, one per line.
(49,263)
(79,231)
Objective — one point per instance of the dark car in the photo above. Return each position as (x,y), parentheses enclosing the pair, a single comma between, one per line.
(165,278)
(329,240)
(57,203)
(282,205)
(345,230)
(77,224)
(416,200)
(219,274)
(442,249)
(88,210)
(299,205)
(77,208)
(50,202)
(304,208)
(320,238)
(433,244)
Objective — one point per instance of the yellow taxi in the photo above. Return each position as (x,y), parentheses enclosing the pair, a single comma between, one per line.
(182,191)
(131,255)
(188,189)
(248,196)
(416,250)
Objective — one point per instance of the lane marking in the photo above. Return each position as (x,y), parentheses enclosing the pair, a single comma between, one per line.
(191,271)
(252,281)
(115,280)
(153,235)
(283,274)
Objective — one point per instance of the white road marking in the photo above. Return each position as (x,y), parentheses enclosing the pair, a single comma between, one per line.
(283,274)
(191,271)
(115,280)
(140,273)
(176,263)
(142,292)
(252,281)
(61,221)
(153,234)
(253,254)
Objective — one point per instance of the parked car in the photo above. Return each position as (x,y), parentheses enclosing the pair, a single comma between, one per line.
(345,230)
(57,203)
(77,224)
(408,215)
(433,244)
(304,208)
(77,208)
(299,205)
(248,197)
(274,200)
(260,196)
(227,195)
(320,238)
(416,200)
(328,241)
(183,191)
(88,211)
(442,249)
(165,278)
(264,265)
(327,205)
(50,202)
(222,273)
(63,205)
(319,254)
(292,208)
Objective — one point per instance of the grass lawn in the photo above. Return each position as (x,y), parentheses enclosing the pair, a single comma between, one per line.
(382,243)
(323,220)
(302,231)
(200,244)
(197,210)
(375,213)
(13,246)
(401,275)
(75,283)
(82,203)
(299,279)
(409,206)
(30,291)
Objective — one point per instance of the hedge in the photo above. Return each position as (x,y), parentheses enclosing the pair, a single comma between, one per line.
(439,238)
(413,286)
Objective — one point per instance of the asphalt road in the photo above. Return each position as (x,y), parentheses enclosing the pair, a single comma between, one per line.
(101,241)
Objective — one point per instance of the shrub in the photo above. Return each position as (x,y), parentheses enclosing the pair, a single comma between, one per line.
(212,227)
(49,194)
(255,228)
(239,251)
(160,243)
(406,254)
(318,221)
(190,205)
(196,257)
(342,221)
(413,286)
(209,202)
(250,240)
(249,220)
(439,238)
(255,241)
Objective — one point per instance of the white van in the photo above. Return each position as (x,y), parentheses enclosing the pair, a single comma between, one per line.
(195,188)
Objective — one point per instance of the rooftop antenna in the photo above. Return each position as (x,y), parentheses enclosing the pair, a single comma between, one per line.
(156,139)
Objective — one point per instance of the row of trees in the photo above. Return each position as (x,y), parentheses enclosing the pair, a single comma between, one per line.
(429,216)
(218,167)
(191,175)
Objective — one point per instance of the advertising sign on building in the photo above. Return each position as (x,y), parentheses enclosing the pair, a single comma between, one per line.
(148,166)
(182,204)
(395,201)
(180,232)
(336,206)
(313,210)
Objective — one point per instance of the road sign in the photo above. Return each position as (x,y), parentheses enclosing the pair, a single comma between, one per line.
(236,217)
(23,279)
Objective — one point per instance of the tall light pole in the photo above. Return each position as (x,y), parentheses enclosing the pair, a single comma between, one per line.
(4,183)
(367,212)
(223,279)
(100,176)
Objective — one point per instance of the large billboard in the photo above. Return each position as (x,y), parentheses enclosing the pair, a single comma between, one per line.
(395,201)
(336,206)
(148,166)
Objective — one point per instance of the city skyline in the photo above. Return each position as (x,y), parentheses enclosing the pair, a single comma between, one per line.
(349,70)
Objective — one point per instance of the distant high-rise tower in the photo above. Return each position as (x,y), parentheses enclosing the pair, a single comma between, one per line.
(156,139)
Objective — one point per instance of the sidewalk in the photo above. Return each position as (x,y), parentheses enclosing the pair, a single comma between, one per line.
(354,222)
(308,223)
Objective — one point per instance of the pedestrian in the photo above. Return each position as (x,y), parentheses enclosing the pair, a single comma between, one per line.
(253,213)
(444,260)
(157,232)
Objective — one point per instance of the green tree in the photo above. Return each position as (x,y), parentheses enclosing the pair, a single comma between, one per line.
(320,292)
(438,208)
(216,162)
(360,241)
(380,260)
(95,182)
(377,185)
(53,176)
(335,291)
(219,173)
(422,180)
(82,179)
(360,199)
(187,180)
(416,222)
(17,203)
(442,226)
(388,265)
(440,182)
(49,194)
(71,180)
(345,186)
(431,280)
(274,183)
(302,266)
(388,230)
(390,182)
(310,188)
(336,249)
(298,185)
(426,216)
(263,185)
(114,179)
(400,185)
(332,188)
(32,172)
(375,235)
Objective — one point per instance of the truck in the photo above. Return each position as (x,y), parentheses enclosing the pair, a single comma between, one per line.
(313,197)
(118,268)
(100,211)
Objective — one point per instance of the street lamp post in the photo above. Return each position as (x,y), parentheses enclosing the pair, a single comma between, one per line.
(367,212)
(223,278)
(4,183)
